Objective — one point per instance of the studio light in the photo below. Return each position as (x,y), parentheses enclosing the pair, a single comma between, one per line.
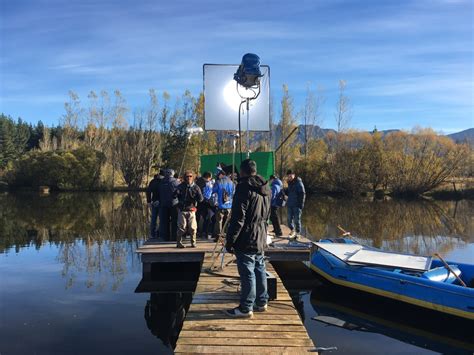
(248,74)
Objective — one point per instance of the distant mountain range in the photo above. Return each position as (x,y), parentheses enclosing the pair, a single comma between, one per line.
(318,132)
(464,136)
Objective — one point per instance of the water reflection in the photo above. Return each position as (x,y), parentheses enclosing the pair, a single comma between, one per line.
(77,252)
(420,227)
(357,312)
(164,315)
(96,234)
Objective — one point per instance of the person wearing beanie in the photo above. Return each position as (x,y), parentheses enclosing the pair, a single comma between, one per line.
(168,206)
(247,239)
(296,197)
(152,198)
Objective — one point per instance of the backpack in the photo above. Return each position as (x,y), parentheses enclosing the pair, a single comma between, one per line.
(225,195)
(281,198)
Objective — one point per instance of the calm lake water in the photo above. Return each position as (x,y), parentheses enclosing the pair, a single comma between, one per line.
(68,272)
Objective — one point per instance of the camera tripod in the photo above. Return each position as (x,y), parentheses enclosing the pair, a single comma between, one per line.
(220,250)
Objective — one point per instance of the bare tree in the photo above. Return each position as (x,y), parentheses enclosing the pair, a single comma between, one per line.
(137,147)
(119,112)
(152,137)
(98,120)
(343,113)
(287,125)
(312,114)
(71,121)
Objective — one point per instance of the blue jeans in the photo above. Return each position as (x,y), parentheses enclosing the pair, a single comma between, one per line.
(253,280)
(154,217)
(294,219)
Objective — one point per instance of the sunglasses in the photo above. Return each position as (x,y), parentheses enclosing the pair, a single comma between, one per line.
(189,176)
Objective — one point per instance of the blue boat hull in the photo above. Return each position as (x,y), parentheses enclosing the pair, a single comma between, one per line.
(446,298)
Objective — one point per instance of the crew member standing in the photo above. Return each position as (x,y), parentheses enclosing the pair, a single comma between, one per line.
(278,201)
(224,189)
(152,198)
(168,206)
(295,204)
(204,209)
(189,195)
(247,238)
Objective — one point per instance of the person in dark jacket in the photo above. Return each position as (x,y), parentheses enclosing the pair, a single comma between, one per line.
(277,202)
(168,206)
(189,195)
(295,204)
(247,238)
(152,198)
(204,208)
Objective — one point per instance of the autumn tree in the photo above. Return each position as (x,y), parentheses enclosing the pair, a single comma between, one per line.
(287,125)
(70,122)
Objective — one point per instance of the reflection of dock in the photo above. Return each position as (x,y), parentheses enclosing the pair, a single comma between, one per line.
(207,329)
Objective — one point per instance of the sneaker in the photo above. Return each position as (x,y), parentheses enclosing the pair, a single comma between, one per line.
(237,313)
(180,245)
(193,245)
(292,235)
(260,308)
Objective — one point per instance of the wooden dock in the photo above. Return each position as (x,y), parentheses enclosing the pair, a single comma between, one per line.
(207,330)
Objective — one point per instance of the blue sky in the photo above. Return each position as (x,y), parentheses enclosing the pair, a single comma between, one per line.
(406,63)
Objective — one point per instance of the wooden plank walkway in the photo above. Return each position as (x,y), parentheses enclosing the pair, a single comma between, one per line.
(208,330)
(280,250)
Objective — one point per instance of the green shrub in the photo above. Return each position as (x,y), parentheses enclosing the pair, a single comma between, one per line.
(75,169)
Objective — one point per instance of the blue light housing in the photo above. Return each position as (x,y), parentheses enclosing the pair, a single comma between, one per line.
(248,73)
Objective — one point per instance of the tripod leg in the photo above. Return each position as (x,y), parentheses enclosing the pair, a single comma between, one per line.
(222,258)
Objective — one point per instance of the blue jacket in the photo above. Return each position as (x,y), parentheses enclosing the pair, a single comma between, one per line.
(296,193)
(221,185)
(277,185)
(167,192)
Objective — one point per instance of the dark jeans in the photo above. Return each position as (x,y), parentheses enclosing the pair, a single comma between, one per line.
(275,221)
(168,223)
(253,280)
(203,216)
(294,219)
(154,217)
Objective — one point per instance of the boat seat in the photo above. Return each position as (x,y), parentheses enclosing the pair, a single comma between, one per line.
(441,274)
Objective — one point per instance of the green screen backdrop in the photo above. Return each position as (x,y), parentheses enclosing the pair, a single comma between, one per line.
(265,162)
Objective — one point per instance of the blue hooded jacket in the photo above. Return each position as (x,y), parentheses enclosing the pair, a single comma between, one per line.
(277,185)
(222,184)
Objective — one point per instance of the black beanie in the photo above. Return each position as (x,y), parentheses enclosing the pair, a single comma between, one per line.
(249,167)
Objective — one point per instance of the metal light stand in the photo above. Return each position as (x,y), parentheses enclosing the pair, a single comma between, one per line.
(234,148)
(184,155)
(247,100)
(248,131)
